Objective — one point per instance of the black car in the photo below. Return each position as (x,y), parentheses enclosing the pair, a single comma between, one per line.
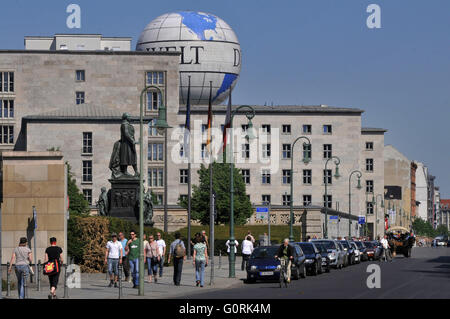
(262,264)
(362,249)
(313,258)
(350,250)
(326,262)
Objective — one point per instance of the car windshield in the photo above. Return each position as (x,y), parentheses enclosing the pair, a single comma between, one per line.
(345,244)
(307,248)
(369,244)
(359,244)
(321,247)
(264,252)
(327,243)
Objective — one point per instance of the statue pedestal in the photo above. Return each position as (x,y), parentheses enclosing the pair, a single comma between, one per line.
(123,197)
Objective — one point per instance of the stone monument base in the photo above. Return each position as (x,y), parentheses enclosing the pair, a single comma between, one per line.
(123,197)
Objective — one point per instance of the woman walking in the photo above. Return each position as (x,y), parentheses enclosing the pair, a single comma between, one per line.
(200,260)
(22,256)
(54,254)
(151,253)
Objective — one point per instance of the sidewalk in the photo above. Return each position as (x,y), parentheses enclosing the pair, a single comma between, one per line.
(94,286)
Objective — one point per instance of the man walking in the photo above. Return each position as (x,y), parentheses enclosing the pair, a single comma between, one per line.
(125,264)
(113,258)
(162,252)
(133,249)
(178,252)
(386,253)
(247,249)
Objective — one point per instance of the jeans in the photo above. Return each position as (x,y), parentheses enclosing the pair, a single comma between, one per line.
(152,266)
(245,259)
(126,266)
(200,271)
(160,265)
(113,266)
(21,270)
(134,269)
(177,269)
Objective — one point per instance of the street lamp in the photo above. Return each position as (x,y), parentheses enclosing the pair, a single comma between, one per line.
(337,161)
(350,198)
(375,203)
(161,125)
(250,114)
(306,160)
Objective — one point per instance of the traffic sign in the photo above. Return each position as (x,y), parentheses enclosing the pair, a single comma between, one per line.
(334,219)
(361,220)
(262,212)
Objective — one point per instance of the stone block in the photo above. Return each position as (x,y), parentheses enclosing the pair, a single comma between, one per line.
(23,206)
(50,222)
(41,206)
(55,172)
(30,173)
(47,189)
(6,255)
(8,206)
(55,206)
(8,173)
(16,189)
(8,238)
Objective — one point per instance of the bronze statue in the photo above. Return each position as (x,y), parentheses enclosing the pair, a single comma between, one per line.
(102,203)
(148,209)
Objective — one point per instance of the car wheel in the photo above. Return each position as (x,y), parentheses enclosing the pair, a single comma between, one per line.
(315,270)
(328,268)
(250,281)
(295,274)
(320,268)
(303,273)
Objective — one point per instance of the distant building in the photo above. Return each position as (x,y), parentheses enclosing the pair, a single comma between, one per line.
(422,190)
(78,42)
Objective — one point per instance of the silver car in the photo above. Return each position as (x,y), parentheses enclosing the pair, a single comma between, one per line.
(335,252)
(357,252)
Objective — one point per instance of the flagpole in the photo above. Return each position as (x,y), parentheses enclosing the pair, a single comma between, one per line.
(211,200)
(188,152)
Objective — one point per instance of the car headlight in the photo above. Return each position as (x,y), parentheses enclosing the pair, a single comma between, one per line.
(309,260)
(279,267)
(332,255)
(253,268)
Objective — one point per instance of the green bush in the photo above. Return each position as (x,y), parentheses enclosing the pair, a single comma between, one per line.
(5,285)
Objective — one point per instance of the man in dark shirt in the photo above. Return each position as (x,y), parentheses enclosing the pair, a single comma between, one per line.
(286,252)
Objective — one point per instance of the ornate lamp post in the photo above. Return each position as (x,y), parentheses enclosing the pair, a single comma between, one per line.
(306,160)
(359,174)
(161,124)
(337,161)
(250,114)
(375,203)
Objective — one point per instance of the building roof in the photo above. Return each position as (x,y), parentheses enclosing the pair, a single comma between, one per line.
(373,130)
(90,52)
(280,109)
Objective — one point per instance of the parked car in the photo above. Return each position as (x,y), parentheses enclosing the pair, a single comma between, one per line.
(373,250)
(356,251)
(344,252)
(362,249)
(335,254)
(313,258)
(326,262)
(350,250)
(262,264)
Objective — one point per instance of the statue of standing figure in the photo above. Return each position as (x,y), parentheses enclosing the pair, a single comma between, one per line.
(124,151)
(148,209)
(102,203)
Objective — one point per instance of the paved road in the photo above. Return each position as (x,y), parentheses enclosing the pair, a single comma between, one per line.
(425,275)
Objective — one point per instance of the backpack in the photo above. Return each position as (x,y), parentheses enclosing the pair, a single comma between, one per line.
(179,250)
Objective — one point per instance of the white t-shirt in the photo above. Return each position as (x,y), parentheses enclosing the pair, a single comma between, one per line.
(114,249)
(384,242)
(161,245)
(247,247)
(235,246)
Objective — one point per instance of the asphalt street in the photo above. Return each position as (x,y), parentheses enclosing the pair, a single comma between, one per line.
(425,275)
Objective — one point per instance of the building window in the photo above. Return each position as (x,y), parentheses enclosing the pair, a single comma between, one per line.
(87,193)
(184,177)
(80,76)
(155,177)
(204,151)
(245,151)
(265,199)
(286,198)
(244,128)
(327,129)
(369,186)
(369,164)
(307,151)
(87,171)
(266,150)
(160,199)
(154,98)
(327,201)
(87,142)
(204,128)
(6,81)
(79,97)
(7,108)
(183,198)
(246,175)
(181,150)
(369,146)
(286,129)
(327,176)
(307,176)
(7,132)
(327,151)
(265,176)
(152,131)
(307,199)
(286,179)
(307,129)
(155,151)
(369,208)
(286,151)
(155,78)
(266,128)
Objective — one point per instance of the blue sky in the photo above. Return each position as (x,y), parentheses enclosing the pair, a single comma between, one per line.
(306,52)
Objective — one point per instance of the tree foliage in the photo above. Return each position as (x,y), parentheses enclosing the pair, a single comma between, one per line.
(221,186)
(424,228)
(78,205)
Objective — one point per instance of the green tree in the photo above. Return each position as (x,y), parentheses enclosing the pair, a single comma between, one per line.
(441,230)
(423,228)
(221,186)
(78,205)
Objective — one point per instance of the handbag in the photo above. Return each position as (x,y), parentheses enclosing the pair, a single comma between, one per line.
(51,268)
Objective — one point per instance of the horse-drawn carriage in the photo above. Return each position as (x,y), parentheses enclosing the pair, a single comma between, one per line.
(400,240)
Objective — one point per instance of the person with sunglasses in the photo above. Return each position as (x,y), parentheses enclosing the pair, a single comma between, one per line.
(133,251)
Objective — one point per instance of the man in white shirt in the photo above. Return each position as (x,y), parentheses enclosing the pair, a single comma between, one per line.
(236,244)
(247,249)
(162,252)
(385,245)
(113,258)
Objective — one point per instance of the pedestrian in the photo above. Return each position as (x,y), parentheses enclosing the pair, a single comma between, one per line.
(205,237)
(286,252)
(247,249)
(113,257)
(200,260)
(264,240)
(236,244)
(151,254)
(178,253)
(308,238)
(22,257)
(133,249)
(54,253)
(125,264)
(144,241)
(386,254)
(162,252)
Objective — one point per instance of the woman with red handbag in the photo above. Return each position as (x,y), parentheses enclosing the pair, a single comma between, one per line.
(54,260)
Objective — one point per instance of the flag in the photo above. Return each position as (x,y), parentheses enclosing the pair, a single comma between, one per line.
(208,141)
(227,123)
(187,125)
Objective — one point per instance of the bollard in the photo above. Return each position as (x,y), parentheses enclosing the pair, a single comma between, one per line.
(38,275)
(220,259)
(8,281)
(66,291)
(120,281)
(25,285)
